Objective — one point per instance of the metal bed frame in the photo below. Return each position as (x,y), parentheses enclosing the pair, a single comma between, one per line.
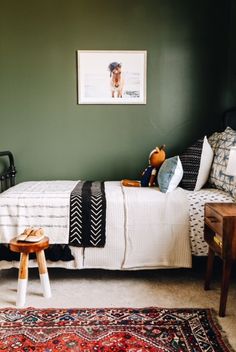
(8,177)
(229,118)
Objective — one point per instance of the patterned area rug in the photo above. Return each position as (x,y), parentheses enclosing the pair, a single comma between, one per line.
(110,329)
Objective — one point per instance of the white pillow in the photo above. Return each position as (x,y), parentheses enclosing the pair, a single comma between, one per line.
(170,174)
(205,165)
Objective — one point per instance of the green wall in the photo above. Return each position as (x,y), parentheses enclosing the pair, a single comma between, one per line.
(54,138)
(230,93)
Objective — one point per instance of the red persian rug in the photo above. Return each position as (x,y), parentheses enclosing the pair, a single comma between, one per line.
(110,329)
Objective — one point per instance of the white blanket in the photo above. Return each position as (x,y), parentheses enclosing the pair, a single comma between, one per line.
(38,204)
(156,228)
(144,227)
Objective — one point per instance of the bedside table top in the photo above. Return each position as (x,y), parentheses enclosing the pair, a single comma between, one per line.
(224,209)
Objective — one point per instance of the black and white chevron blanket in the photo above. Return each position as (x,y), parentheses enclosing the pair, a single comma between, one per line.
(88,214)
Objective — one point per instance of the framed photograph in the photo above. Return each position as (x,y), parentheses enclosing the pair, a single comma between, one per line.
(111,77)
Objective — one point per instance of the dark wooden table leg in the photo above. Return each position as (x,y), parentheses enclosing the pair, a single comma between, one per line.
(210,262)
(227,265)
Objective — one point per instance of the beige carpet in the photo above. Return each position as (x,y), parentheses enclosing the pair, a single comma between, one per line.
(98,288)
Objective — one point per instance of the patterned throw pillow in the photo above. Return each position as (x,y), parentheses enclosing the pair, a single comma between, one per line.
(213,140)
(196,161)
(170,174)
(218,178)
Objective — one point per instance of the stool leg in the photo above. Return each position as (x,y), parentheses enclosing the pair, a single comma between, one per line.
(22,280)
(43,273)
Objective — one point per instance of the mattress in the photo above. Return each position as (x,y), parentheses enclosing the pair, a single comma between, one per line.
(145,229)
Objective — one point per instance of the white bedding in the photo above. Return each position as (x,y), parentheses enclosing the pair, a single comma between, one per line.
(196,215)
(157,228)
(36,203)
(144,227)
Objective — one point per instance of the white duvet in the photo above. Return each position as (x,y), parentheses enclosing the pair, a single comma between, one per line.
(156,228)
(144,227)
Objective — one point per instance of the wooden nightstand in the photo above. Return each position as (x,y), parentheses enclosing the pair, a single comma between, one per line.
(220,234)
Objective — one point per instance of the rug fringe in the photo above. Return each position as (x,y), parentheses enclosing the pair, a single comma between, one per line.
(213,315)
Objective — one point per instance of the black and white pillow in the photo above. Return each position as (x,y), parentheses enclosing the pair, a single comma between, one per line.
(222,143)
(196,162)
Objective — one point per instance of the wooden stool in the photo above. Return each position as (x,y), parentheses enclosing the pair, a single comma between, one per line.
(24,248)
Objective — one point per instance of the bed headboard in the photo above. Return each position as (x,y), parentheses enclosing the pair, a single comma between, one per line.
(8,175)
(229,118)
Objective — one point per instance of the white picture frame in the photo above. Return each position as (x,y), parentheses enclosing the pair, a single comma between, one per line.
(111,77)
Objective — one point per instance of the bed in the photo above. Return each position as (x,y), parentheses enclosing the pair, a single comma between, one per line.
(144,228)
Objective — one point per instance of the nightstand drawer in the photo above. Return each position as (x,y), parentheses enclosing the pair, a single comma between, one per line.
(214,220)
(220,235)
